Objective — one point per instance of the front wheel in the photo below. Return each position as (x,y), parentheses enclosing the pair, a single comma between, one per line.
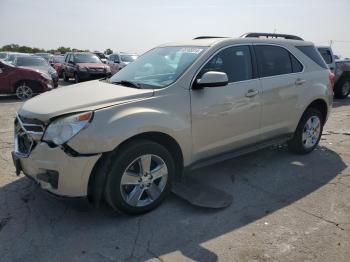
(76,78)
(140,177)
(64,75)
(24,91)
(308,133)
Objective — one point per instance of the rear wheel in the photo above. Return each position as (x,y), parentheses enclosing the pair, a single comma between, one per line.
(24,91)
(64,76)
(308,132)
(140,177)
(342,89)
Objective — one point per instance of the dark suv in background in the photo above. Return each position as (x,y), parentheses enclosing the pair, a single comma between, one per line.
(83,66)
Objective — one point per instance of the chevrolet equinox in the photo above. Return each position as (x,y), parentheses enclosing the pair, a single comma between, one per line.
(127,138)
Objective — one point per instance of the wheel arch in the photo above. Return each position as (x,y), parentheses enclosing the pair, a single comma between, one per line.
(96,183)
(33,84)
(320,105)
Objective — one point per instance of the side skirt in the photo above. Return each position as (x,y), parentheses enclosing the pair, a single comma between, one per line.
(237,153)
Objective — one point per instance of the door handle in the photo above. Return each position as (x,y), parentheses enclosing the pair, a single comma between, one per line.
(251,93)
(300,81)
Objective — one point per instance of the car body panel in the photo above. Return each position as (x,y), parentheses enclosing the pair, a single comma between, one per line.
(104,95)
(65,165)
(236,118)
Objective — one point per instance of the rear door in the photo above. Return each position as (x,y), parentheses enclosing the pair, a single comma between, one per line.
(281,76)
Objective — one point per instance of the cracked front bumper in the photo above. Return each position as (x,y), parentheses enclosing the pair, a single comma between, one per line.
(56,171)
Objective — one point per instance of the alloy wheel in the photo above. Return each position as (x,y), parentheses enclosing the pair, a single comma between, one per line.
(144,180)
(24,92)
(311,132)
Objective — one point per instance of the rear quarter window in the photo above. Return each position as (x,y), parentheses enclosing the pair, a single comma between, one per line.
(312,53)
(326,54)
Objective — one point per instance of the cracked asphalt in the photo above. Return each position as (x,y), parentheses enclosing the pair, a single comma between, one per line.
(286,208)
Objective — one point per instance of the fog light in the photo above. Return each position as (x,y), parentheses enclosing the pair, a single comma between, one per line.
(49,176)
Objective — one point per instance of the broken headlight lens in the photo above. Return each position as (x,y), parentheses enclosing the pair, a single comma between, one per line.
(63,129)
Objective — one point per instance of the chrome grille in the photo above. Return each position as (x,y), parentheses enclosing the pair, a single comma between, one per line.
(27,133)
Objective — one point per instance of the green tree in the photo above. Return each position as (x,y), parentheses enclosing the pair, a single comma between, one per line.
(108,51)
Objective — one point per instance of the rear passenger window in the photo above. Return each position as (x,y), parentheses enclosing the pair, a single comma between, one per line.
(234,61)
(326,54)
(296,65)
(313,54)
(274,60)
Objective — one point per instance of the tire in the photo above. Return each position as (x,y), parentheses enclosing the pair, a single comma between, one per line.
(64,76)
(24,91)
(342,88)
(76,78)
(135,193)
(306,139)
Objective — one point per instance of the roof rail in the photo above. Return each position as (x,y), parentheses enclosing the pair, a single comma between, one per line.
(272,35)
(208,37)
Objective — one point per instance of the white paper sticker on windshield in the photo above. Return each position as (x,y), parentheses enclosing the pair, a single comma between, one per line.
(191,50)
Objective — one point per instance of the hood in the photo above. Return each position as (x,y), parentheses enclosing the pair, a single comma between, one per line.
(86,96)
(45,69)
(92,65)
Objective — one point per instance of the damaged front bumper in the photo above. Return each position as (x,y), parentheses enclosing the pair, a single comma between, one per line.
(56,171)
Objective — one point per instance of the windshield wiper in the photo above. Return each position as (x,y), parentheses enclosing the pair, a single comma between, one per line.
(127,83)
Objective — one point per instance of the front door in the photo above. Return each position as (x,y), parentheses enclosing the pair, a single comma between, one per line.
(225,118)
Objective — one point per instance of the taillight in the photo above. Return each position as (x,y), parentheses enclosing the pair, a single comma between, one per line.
(331,78)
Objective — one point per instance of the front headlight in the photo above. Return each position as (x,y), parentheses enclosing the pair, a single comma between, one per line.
(45,75)
(108,69)
(65,128)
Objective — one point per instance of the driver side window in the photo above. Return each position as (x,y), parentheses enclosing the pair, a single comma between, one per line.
(235,61)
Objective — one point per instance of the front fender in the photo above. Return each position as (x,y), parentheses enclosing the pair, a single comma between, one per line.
(112,126)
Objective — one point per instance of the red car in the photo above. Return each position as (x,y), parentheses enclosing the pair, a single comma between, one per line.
(57,62)
(22,81)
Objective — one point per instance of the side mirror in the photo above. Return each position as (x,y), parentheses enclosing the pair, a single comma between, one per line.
(71,62)
(211,79)
(116,61)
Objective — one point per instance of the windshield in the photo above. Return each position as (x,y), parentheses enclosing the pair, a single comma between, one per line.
(86,58)
(100,55)
(31,61)
(11,57)
(128,58)
(3,55)
(58,59)
(43,55)
(159,67)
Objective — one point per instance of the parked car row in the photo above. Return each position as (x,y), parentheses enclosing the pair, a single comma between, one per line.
(77,65)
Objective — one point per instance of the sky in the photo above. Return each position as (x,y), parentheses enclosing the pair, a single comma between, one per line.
(139,25)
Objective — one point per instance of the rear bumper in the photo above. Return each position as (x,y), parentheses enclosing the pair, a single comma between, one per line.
(57,172)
